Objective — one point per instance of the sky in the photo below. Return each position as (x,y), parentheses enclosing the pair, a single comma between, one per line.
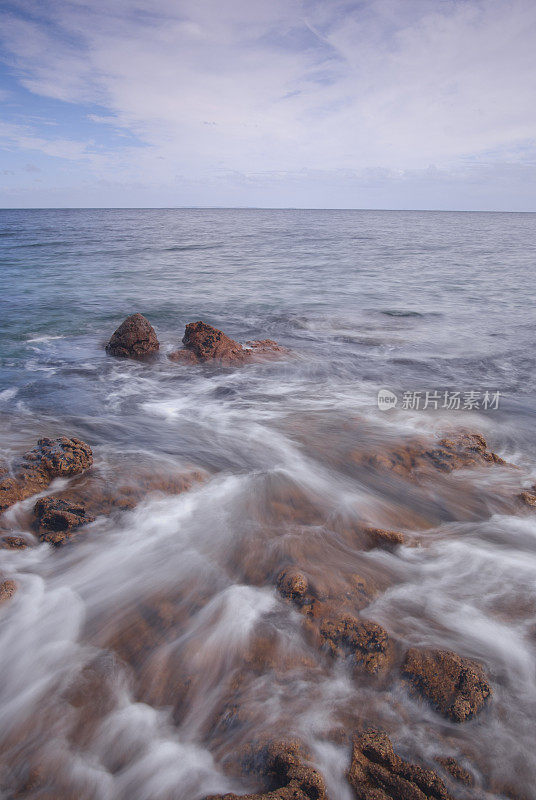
(425,104)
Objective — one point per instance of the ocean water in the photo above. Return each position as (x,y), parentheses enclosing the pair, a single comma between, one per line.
(407,301)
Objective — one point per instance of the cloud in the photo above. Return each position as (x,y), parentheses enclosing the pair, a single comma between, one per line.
(255,87)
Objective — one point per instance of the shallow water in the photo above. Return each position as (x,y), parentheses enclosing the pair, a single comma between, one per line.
(102,705)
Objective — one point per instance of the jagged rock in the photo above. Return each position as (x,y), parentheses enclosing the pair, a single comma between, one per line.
(377,773)
(528,497)
(457,687)
(13,543)
(289,777)
(58,518)
(417,458)
(366,642)
(456,771)
(203,343)
(52,458)
(7,590)
(134,338)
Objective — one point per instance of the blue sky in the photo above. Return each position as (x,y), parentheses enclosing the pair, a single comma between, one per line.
(277,103)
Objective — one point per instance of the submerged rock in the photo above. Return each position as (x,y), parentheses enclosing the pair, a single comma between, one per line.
(456,771)
(52,458)
(366,642)
(57,518)
(418,458)
(457,687)
(203,343)
(134,338)
(7,590)
(289,777)
(378,773)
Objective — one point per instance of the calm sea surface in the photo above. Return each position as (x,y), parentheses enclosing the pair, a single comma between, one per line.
(409,301)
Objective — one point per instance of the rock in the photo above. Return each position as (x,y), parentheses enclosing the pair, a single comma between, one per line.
(528,497)
(52,458)
(456,771)
(203,343)
(7,590)
(377,773)
(58,518)
(457,687)
(13,543)
(366,642)
(388,540)
(292,584)
(418,458)
(289,777)
(134,338)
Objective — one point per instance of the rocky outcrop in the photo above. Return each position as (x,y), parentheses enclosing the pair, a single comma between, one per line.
(528,497)
(384,539)
(7,590)
(417,458)
(203,343)
(57,519)
(366,643)
(52,458)
(457,687)
(456,771)
(378,773)
(284,767)
(134,338)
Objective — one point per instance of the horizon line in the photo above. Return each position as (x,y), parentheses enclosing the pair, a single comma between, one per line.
(265,208)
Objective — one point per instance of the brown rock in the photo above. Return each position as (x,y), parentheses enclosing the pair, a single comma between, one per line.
(528,498)
(7,590)
(292,584)
(388,540)
(57,518)
(13,543)
(367,642)
(134,338)
(456,771)
(457,687)
(203,343)
(52,458)
(417,458)
(377,773)
(289,777)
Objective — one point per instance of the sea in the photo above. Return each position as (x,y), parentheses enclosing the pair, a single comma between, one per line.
(434,310)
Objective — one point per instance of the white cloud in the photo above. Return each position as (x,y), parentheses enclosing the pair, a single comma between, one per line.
(273,86)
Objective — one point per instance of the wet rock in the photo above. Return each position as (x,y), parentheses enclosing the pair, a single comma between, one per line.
(7,590)
(456,771)
(284,767)
(377,773)
(203,343)
(134,338)
(457,687)
(417,458)
(366,642)
(52,458)
(385,539)
(528,497)
(292,584)
(58,518)
(13,543)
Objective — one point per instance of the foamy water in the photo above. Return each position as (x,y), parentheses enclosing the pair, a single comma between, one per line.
(137,660)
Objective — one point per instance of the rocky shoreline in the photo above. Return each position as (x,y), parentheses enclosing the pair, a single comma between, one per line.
(334,619)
